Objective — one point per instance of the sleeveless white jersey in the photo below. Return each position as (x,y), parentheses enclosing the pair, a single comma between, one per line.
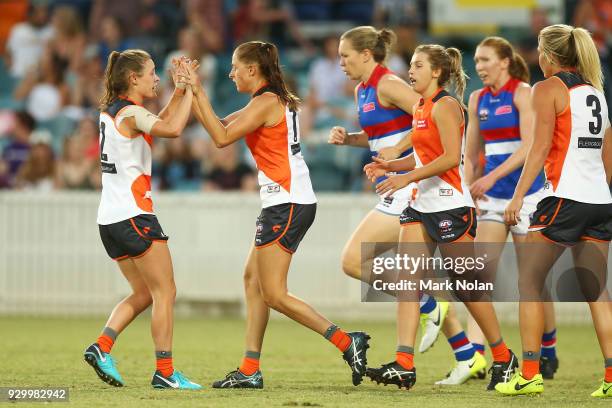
(282,172)
(126,169)
(574,167)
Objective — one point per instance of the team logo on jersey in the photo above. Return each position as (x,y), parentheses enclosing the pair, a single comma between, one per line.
(503,110)
(388,200)
(446,192)
(276,228)
(483,114)
(369,107)
(422,124)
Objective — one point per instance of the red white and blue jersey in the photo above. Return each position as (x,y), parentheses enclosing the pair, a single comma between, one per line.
(384,126)
(500,129)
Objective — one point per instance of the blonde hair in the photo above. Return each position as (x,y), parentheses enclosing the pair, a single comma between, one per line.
(379,42)
(572,47)
(518,67)
(448,61)
(118,68)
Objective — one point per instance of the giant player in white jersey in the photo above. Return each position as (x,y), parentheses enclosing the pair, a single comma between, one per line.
(128,226)
(572,138)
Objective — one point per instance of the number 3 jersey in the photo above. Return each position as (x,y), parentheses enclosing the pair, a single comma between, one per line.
(125,163)
(574,166)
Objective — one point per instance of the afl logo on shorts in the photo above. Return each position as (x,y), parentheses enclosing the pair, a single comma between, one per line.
(503,110)
(483,115)
(369,107)
(446,229)
(445,224)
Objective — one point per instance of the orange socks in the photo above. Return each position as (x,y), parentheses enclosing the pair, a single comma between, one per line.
(404,356)
(163,363)
(107,339)
(531,364)
(608,376)
(250,363)
(500,351)
(338,338)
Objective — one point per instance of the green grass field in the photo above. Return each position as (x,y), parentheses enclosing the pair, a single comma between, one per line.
(300,368)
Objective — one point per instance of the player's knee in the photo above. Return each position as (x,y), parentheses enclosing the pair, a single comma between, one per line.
(164,293)
(274,299)
(250,278)
(143,298)
(351,266)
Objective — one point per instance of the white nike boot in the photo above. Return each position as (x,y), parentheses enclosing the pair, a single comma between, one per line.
(431,324)
(464,370)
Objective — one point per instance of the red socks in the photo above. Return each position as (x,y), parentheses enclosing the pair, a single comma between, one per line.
(107,339)
(530,368)
(338,338)
(406,360)
(500,351)
(249,366)
(163,363)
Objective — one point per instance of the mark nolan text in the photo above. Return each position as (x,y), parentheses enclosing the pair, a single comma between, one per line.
(432,285)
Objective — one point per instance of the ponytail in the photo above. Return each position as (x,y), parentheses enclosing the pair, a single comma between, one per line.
(572,47)
(265,55)
(109,88)
(588,63)
(449,62)
(379,42)
(517,67)
(457,76)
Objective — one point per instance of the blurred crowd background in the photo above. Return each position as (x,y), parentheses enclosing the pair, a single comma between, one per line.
(54,54)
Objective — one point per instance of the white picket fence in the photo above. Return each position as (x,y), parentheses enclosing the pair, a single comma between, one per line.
(52,261)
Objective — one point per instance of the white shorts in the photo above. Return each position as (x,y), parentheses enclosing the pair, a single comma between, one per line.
(493,210)
(398,203)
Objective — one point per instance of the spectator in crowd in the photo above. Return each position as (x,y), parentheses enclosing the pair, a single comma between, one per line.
(44,88)
(528,45)
(111,38)
(326,82)
(268,20)
(69,40)
(190,45)
(37,172)
(177,169)
(596,16)
(88,88)
(74,170)
(207,17)
(407,38)
(16,152)
(122,10)
(227,172)
(393,12)
(27,40)
(87,130)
